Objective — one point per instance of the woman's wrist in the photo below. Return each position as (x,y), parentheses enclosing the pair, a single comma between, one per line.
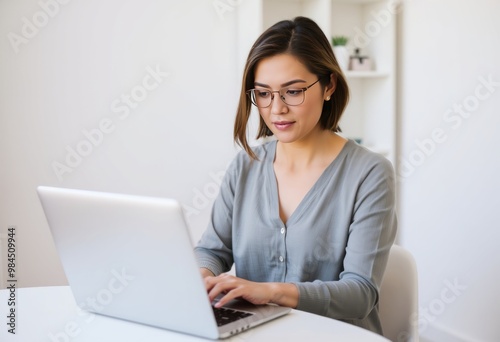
(205,272)
(285,294)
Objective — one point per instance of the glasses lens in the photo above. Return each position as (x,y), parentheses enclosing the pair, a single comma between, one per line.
(261,98)
(292,97)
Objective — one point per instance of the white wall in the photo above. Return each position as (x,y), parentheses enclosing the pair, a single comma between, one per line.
(65,76)
(449,194)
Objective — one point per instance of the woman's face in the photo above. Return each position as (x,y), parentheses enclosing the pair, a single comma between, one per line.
(290,123)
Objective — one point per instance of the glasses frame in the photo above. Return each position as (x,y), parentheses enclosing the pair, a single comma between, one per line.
(304,89)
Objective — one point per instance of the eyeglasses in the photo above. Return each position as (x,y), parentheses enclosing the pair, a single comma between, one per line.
(262,98)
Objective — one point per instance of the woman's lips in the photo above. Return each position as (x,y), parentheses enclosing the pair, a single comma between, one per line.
(283,125)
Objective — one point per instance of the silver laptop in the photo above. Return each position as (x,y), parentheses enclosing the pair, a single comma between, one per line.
(131,257)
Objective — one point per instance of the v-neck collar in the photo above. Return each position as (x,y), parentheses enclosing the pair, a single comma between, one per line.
(308,199)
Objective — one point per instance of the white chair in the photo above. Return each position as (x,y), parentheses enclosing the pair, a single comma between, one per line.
(398,303)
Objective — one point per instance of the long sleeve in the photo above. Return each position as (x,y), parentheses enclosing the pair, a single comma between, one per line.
(214,251)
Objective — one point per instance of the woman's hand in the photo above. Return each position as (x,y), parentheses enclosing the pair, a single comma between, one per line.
(256,293)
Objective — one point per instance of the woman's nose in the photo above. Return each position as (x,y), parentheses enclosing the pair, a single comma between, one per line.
(278,106)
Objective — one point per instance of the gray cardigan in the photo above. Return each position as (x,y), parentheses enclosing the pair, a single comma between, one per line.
(334,247)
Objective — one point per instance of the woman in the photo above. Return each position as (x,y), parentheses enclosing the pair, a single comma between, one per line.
(307,219)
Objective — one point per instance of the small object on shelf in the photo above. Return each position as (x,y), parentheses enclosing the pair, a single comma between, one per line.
(340,51)
(339,40)
(360,63)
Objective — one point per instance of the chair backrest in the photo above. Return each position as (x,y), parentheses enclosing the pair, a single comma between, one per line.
(398,304)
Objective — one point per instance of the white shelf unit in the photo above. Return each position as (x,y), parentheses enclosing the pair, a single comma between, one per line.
(371,26)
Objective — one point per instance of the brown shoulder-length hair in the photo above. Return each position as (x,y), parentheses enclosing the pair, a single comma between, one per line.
(303,39)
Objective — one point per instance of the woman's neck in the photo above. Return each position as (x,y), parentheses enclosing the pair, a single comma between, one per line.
(318,151)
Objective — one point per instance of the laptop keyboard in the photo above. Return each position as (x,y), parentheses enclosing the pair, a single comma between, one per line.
(224,315)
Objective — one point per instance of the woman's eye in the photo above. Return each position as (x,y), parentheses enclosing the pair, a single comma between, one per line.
(263,93)
(293,92)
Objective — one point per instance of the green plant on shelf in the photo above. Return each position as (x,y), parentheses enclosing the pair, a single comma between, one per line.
(339,40)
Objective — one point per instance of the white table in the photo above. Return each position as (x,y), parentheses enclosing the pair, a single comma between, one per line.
(51,314)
